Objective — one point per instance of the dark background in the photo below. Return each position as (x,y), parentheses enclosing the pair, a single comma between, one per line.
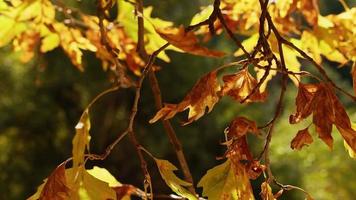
(41,101)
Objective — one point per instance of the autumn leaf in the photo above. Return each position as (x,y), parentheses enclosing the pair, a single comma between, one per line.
(186,41)
(222,182)
(81,139)
(204,95)
(238,150)
(240,85)
(327,110)
(54,188)
(303,138)
(351,152)
(310,10)
(266,192)
(166,169)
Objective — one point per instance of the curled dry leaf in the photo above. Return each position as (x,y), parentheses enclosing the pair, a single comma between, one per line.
(240,126)
(266,192)
(240,85)
(302,139)
(238,150)
(203,96)
(327,110)
(186,41)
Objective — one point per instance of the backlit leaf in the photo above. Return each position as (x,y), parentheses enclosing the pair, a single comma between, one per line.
(178,185)
(81,139)
(202,97)
(303,138)
(240,85)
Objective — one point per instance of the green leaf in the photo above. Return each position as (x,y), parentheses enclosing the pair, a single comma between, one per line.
(81,139)
(220,182)
(166,169)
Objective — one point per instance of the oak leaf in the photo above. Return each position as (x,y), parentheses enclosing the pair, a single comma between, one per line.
(166,169)
(302,139)
(202,97)
(186,41)
(240,85)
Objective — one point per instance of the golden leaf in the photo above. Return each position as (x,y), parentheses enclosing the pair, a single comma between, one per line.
(240,85)
(302,139)
(166,169)
(81,139)
(186,41)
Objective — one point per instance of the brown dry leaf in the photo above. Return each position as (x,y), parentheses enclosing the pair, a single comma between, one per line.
(327,110)
(238,149)
(240,126)
(26,43)
(123,192)
(202,97)
(303,138)
(56,186)
(186,41)
(304,102)
(240,85)
(266,192)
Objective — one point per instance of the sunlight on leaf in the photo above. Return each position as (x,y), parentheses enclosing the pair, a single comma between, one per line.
(166,170)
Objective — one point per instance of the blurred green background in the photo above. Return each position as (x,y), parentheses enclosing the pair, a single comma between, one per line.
(41,101)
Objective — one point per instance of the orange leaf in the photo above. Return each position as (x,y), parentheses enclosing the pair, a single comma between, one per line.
(302,139)
(240,126)
(186,41)
(304,102)
(310,10)
(266,192)
(55,187)
(203,96)
(240,85)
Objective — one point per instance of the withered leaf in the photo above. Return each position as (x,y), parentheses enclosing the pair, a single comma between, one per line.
(202,97)
(266,192)
(186,41)
(327,110)
(240,126)
(302,139)
(56,186)
(240,85)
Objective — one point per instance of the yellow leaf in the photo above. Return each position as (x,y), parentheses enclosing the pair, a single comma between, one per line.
(49,42)
(248,43)
(166,169)
(81,139)
(104,175)
(352,153)
(221,182)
